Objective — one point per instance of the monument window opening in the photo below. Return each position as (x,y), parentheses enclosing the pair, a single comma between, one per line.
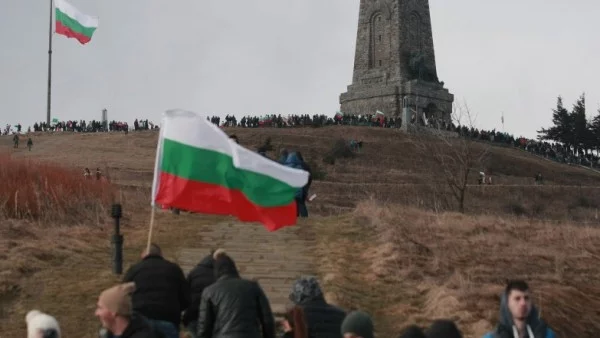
(379,49)
(415,32)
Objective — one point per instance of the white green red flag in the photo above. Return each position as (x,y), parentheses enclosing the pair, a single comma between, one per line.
(72,23)
(200,169)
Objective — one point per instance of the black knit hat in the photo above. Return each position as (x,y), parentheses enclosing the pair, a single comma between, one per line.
(359,323)
(413,331)
(443,329)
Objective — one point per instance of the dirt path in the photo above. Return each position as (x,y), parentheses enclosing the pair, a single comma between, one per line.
(274,259)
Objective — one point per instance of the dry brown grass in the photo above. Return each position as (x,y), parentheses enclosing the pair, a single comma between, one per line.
(409,266)
(394,261)
(47,193)
(390,168)
(63,270)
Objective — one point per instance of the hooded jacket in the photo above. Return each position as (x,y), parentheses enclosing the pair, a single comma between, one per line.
(322,320)
(198,279)
(294,161)
(233,307)
(536,327)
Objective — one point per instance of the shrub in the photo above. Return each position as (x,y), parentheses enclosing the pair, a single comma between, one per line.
(318,174)
(583,202)
(339,149)
(50,193)
(516,208)
(267,146)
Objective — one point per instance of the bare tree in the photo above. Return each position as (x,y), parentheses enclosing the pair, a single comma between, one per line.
(455,156)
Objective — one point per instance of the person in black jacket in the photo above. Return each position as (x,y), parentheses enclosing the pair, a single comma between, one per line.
(323,320)
(115,312)
(162,292)
(198,279)
(234,307)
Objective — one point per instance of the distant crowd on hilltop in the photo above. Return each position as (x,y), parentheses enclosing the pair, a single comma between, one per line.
(81,126)
(552,151)
(156,300)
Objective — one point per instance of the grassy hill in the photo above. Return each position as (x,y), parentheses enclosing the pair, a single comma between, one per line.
(417,259)
(391,167)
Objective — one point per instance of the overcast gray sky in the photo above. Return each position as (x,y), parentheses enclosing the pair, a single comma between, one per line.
(289,56)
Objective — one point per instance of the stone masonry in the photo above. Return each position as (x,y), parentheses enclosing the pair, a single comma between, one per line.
(274,259)
(394,65)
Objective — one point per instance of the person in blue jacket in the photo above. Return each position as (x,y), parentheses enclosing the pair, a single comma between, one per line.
(295,160)
(518,316)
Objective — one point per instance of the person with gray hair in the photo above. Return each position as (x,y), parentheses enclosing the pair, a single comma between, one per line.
(322,319)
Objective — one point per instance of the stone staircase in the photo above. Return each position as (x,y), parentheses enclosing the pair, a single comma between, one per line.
(274,259)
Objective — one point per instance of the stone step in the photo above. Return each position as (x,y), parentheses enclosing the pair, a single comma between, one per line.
(275,260)
(248,258)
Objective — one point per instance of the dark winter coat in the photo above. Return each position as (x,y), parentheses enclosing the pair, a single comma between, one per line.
(322,320)
(198,279)
(139,327)
(162,292)
(233,307)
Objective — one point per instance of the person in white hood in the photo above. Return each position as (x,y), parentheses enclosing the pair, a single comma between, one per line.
(41,325)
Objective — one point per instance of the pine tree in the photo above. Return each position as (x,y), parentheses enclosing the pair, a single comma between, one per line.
(594,128)
(580,135)
(563,127)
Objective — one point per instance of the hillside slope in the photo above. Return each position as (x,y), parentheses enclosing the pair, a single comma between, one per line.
(390,168)
(413,264)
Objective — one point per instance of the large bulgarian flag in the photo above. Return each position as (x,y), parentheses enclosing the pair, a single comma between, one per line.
(71,23)
(200,169)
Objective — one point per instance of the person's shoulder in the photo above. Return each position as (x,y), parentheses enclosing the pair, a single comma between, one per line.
(337,310)
(211,289)
(550,333)
(172,264)
(489,335)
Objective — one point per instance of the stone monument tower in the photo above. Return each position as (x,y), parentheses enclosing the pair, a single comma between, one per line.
(394,64)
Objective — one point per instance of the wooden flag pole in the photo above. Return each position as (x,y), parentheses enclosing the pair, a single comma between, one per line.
(151,228)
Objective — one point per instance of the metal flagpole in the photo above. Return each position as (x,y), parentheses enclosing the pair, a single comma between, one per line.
(48,106)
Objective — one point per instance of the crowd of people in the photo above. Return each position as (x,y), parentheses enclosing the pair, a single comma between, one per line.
(156,300)
(80,126)
(560,153)
(551,151)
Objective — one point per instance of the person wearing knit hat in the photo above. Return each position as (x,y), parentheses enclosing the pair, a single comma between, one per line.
(115,312)
(41,325)
(199,278)
(413,331)
(357,324)
(443,329)
(234,306)
(322,319)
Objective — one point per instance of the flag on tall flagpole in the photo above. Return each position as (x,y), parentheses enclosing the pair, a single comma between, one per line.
(200,169)
(72,23)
